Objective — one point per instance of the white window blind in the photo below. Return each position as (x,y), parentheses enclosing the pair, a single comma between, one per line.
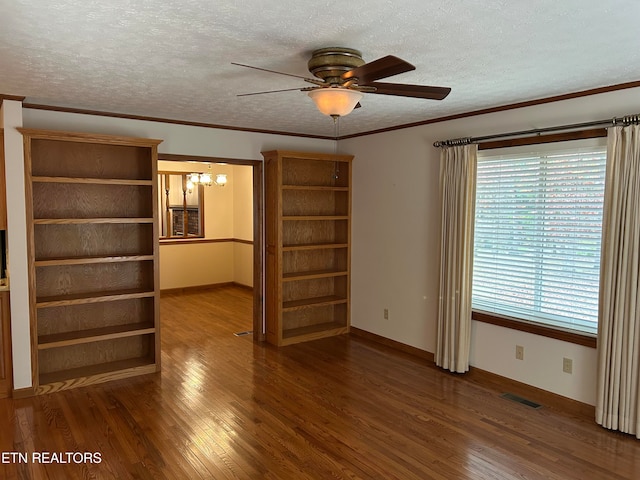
(537,236)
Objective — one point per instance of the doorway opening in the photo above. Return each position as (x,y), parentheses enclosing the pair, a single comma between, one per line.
(223,247)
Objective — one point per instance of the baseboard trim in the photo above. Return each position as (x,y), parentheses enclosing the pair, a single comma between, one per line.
(491,380)
(200,288)
(24,392)
(417,352)
(194,288)
(538,395)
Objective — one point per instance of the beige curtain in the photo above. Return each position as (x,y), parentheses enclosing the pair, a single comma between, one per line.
(458,200)
(618,399)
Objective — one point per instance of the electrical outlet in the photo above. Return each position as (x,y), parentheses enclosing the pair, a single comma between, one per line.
(519,352)
(567,365)
(386,314)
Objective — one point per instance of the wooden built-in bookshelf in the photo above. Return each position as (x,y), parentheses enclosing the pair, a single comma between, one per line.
(93,257)
(308,225)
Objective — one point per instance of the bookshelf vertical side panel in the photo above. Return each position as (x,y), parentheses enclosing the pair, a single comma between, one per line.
(273,233)
(348,279)
(156,257)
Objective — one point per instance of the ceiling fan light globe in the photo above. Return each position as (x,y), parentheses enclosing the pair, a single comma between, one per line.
(335,101)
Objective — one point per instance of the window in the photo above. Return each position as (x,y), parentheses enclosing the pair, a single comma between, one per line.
(181,206)
(537,235)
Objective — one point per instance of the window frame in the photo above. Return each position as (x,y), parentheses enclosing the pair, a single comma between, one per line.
(164,215)
(571,336)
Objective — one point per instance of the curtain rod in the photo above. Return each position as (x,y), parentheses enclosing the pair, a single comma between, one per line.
(627,120)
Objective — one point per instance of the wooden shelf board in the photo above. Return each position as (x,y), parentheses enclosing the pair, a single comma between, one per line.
(313,332)
(320,188)
(94,335)
(289,277)
(95,259)
(312,302)
(62,300)
(93,181)
(80,221)
(296,218)
(313,246)
(78,377)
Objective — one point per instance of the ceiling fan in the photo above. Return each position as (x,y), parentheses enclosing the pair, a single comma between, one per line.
(342,77)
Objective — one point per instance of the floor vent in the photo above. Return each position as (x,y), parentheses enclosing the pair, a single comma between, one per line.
(524,401)
(242,334)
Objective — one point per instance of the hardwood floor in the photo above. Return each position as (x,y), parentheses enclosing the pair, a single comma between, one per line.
(341,408)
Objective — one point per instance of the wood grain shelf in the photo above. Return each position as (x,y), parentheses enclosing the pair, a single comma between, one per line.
(313,246)
(94,335)
(92,236)
(314,217)
(92,259)
(312,302)
(91,181)
(92,374)
(313,332)
(95,297)
(294,276)
(319,188)
(81,221)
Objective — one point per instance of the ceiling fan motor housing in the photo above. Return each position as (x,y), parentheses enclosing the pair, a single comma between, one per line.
(329,63)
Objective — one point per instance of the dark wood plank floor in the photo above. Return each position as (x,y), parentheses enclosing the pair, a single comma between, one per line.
(341,408)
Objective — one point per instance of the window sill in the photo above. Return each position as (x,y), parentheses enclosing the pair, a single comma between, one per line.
(535,328)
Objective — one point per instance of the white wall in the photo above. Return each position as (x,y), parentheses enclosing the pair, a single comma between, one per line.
(196,264)
(17,243)
(242,202)
(395,238)
(243,224)
(243,264)
(178,139)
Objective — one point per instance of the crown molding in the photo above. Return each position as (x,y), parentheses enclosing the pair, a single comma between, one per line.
(101,113)
(4,97)
(501,108)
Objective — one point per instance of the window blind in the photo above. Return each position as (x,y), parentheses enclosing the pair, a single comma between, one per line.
(537,236)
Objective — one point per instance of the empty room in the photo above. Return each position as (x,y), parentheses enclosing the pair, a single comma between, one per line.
(301,240)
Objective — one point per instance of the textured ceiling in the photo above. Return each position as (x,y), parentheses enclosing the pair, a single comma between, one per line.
(172,58)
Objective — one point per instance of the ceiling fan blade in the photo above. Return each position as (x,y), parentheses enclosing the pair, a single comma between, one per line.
(381,68)
(268,91)
(404,90)
(312,80)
